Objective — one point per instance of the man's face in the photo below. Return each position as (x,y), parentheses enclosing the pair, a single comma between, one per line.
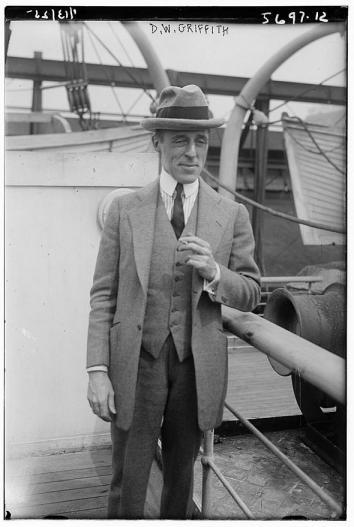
(183,153)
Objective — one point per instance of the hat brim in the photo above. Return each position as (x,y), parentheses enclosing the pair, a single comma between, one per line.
(155,123)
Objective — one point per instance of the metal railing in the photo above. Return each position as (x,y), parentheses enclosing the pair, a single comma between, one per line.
(302,358)
(268,283)
(276,280)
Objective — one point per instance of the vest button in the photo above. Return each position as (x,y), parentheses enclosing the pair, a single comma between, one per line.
(177,278)
(139,327)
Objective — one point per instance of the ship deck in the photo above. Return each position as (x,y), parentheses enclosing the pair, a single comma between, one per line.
(75,484)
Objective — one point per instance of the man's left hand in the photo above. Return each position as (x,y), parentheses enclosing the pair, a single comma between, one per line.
(200,256)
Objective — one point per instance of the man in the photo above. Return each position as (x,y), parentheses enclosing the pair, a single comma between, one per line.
(170,255)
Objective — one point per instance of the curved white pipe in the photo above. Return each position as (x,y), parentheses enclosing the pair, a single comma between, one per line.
(231,139)
(320,367)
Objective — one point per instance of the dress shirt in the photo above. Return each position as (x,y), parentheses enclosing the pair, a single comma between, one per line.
(168,191)
(189,195)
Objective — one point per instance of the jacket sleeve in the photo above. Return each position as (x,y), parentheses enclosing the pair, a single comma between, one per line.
(103,295)
(239,285)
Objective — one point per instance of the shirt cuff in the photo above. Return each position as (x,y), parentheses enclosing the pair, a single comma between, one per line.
(211,286)
(97,368)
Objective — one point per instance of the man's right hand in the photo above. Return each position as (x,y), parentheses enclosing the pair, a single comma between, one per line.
(100,395)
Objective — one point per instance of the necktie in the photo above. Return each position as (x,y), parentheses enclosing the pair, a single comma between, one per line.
(177,219)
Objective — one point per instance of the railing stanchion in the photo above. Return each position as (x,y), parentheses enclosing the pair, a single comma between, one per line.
(208,454)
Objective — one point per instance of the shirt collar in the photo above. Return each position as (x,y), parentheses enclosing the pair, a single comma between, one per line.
(168,185)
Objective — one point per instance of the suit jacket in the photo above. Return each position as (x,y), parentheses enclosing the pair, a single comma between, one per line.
(119,293)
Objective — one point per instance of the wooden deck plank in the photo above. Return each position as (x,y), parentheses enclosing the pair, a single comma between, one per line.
(76,493)
(71,484)
(89,514)
(64,508)
(254,388)
(65,475)
(63,496)
(51,463)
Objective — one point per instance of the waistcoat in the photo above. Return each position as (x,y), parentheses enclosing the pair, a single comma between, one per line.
(169,295)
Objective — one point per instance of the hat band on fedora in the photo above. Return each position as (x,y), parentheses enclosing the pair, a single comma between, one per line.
(183,112)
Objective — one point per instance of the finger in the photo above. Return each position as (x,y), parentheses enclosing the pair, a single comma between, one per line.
(198,258)
(195,239)
(196,262)
(105,418)
(96,409)
(91,399)
(111,405)
(104,413)
(196,248)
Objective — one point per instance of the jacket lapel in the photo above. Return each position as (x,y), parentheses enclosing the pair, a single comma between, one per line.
(212,217)
(211,222)
(142,218)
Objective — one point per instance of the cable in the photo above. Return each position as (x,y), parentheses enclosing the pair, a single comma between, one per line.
(295,97)
(107,76)
(120,43)
(320,150)
(135,102)
(269,210)
(124,49)
(316,152)
(117,60)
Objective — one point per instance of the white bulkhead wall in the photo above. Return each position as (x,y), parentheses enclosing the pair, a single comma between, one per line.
(52,234)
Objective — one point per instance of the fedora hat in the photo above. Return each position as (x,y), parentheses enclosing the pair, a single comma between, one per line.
(182,109)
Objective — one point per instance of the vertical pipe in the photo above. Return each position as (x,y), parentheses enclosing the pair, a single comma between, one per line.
(231,139)
(208,453)
(259,184)
(36,94)
(8,32)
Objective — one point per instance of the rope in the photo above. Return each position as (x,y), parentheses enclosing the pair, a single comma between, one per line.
(72,39)
(269,210)
(320,150)
(116,59)
(108,78)
(135,102)
(295,97)
(120,43)
(127,55)
(309,149)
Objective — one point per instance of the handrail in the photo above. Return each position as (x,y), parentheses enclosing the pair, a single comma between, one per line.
(314,364)
(265,280)
(290,464)
(321,368)
(209,465)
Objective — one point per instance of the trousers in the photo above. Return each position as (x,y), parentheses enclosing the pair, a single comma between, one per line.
(165,406)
